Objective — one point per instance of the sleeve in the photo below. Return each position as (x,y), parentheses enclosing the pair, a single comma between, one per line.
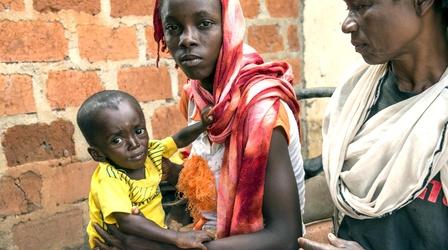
(113,196)
(183,104)
(169,146)
(283,121)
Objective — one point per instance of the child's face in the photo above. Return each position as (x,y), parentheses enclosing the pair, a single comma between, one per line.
(122,138)
(193,34)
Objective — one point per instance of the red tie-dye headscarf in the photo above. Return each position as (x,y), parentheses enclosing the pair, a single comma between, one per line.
(247,95)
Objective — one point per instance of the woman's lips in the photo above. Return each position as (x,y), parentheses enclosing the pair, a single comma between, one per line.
(361,48)
(190,60)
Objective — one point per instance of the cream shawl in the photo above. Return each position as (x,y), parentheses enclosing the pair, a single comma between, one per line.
(376,167)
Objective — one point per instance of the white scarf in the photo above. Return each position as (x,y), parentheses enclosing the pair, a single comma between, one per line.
(376,167)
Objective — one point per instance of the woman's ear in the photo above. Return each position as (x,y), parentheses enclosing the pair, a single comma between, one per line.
(96,154)
(423,6)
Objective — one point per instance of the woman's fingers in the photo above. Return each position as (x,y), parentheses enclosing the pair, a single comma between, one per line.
(307,244)
(99,245)
(136,211)
(114,239)
(107,237)
(202,247)
(345,244)
(210,235)
(115,232)
(336,241)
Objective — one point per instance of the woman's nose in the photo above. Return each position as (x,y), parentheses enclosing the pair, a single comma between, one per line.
(188,38)
(349,25)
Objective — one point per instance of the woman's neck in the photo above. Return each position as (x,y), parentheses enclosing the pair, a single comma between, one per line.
(207,84)
(419,71)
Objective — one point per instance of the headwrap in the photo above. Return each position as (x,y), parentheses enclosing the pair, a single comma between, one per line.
(377,166)
(246,98)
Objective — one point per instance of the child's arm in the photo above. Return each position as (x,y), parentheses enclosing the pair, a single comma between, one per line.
(171,170)
(140,226)
(188,134)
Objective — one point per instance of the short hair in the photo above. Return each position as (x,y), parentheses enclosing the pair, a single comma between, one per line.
(106,99)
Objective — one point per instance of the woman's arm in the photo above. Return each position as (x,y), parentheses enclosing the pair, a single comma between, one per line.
(281,210)
(281,206)
(140,226)
(116,240)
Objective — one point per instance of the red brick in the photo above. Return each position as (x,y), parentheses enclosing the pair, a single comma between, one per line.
(283,8)
(98,43)
(20,195)
(167,121)
(32,41)
(251,8)
(151,51)
(31,184)
(38,142)
(91,7)
(16,95)
(59,231)
(69,184)
(70,88)
(296,69)
(265,38)
(15,5)
(293,38)
(121,8)
(146,83)
(12,199)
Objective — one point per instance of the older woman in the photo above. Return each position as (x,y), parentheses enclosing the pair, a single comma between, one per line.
(385,132)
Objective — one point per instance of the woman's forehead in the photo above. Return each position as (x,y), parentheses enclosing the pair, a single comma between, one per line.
(175,8)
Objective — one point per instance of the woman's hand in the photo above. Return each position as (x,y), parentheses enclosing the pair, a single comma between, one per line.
(111,241)
(335,244)
(117,240)
(193,239)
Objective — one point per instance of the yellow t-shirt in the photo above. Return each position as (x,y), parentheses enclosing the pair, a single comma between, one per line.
(113,191)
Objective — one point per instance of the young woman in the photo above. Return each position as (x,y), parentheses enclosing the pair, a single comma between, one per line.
(253,146)
(385,133)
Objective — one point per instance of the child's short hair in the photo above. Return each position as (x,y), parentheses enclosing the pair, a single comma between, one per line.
(107,99)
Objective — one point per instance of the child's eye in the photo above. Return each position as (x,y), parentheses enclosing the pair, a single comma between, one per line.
(116,140)
(140,131)
(205,24)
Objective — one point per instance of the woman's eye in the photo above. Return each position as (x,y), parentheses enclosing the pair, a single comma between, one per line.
(358,7)
(140,131)
(171,27)
(117,140)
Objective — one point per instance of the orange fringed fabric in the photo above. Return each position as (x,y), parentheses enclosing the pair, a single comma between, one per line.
(197,183)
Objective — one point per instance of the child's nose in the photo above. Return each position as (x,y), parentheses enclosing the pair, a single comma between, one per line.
(133,143)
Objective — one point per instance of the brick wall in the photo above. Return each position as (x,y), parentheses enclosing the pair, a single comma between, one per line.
(55,53)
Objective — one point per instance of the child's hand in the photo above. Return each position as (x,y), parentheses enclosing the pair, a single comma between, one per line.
(206,118)
(193,239)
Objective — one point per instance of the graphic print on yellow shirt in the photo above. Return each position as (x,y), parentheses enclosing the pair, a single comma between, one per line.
(111,190)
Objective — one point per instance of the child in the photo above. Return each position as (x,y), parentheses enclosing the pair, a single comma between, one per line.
(130,168)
